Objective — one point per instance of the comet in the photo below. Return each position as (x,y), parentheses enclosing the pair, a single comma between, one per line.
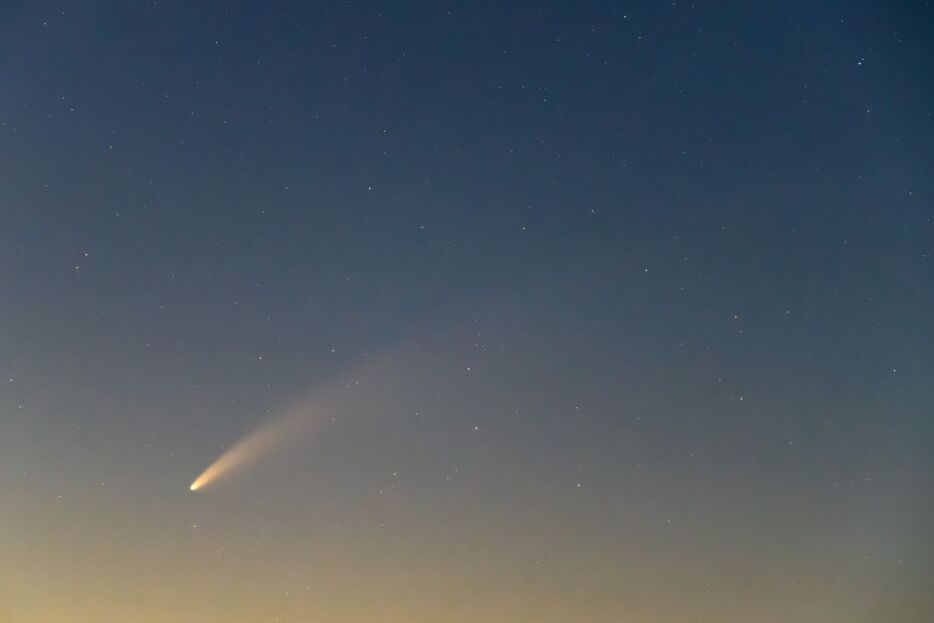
(337,396)
(254,446)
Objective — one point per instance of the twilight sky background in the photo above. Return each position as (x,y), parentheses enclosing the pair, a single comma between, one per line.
(598,311)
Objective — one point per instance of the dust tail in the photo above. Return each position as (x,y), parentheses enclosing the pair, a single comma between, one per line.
(254,446)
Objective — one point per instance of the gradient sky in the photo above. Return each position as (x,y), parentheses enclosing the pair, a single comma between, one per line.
(594,311)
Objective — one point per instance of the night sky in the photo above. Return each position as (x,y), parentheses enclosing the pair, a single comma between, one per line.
(506,311)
